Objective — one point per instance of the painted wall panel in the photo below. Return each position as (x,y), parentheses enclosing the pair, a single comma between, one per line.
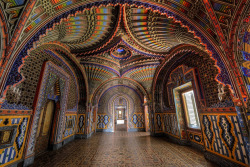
(80,124)
(223,136)
(70,125)
(14,153)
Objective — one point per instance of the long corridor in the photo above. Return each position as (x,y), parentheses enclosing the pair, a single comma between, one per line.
(122,149)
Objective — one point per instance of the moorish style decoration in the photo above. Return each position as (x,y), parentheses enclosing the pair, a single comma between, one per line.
(135,60)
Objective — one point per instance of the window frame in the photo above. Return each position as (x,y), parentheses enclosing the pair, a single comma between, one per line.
(184,106)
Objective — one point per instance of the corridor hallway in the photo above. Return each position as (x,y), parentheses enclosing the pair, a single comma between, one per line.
(122,149)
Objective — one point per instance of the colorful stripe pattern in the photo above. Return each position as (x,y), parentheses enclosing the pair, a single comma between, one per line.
(246,56)
(142,74)
(141,30)
(35,22)
(76,27)
(99,73)
(14,152)
(16,2)
(63,5)
(15,121)
(156,32)
(222,8)
(225,127)
(7,155)
(103,22)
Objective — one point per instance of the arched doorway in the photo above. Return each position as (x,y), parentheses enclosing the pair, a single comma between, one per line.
(120,114)
(120,103)
(44,130)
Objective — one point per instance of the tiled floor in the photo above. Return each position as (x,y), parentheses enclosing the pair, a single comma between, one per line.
(122,149)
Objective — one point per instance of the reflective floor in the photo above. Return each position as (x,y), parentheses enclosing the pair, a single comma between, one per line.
(122,149)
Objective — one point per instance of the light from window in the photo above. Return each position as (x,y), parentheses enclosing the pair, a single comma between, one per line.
(191,110)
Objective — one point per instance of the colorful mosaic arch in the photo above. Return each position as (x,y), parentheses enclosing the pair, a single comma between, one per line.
(118,82)
(73,15)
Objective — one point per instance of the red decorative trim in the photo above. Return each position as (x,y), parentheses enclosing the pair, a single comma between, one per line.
(12,43)
(15,112)
(229,51)
(169,112)
(235,23)
(216,24)
(218,110)
(70,112)
(180,49)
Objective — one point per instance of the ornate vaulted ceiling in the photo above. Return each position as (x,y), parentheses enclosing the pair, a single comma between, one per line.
(120,40)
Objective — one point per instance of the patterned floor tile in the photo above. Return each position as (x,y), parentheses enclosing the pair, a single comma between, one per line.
(122,149)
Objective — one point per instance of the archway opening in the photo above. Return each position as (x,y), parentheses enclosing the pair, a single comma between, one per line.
(121,110)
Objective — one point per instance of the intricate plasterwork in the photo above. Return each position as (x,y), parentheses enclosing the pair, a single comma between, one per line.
(51,74)
(12,11)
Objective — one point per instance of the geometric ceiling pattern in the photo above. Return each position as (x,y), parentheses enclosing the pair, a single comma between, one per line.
(12,11)
(121,40)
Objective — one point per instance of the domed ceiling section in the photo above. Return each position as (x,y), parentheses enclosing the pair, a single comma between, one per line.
(155,32)
(85,30)
(119,61)
(118,41)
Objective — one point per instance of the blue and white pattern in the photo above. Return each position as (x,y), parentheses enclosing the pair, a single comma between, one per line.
(197,138)
(21,135)
(7,155)
(106,120)
(227,136)
(102,121)
(134,118)
(138,120)
(207,130)
(15,121)
(240,152)
(218,145)
(6,105)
